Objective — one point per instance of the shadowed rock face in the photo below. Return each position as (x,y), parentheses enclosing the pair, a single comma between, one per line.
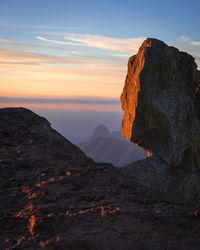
(197,93)
(53,197)
(198,76)
(160,100)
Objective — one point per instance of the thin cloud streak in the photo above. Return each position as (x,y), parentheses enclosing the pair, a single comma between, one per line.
(34,74)
(26,58)
(123,55)
(54,41)
(20,44)
(10,56)
(195,43)
(107,43)
(100,42)
(67,51)
(29,73)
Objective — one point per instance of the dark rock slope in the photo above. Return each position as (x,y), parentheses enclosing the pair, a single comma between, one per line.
(162,114)
(53,197)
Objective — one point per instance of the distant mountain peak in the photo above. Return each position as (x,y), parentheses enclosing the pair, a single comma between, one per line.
(101,131)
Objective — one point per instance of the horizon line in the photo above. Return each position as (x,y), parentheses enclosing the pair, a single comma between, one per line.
(83,100)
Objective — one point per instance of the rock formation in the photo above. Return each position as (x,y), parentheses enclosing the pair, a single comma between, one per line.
(160,100)
(53,197)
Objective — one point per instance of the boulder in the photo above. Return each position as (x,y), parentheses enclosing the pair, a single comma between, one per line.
(161,104)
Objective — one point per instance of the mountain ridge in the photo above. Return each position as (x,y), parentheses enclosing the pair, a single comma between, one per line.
(108,147)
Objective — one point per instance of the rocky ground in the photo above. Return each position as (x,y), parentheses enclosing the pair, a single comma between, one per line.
(53,197)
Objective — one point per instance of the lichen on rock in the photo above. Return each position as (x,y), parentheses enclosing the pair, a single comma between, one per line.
(161,103)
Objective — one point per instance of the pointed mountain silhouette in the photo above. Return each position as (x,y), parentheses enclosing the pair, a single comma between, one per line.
(104,146)
(101,131)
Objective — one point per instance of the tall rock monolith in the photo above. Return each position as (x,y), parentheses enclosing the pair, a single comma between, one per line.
(161,104)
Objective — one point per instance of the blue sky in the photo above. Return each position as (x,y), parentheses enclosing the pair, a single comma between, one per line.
(126,19)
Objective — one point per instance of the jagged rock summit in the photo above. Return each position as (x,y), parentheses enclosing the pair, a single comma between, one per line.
(160,100)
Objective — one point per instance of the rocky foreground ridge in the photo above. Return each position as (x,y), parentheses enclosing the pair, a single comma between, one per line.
(53,197)
(161,103)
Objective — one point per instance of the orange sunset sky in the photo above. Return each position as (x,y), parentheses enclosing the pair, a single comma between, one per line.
(65,49)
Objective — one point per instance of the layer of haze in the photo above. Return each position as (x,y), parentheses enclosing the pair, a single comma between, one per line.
(75,119)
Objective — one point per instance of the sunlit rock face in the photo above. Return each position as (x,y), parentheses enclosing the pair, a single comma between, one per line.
(160,100)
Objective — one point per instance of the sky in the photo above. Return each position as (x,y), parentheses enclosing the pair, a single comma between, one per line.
(78,50)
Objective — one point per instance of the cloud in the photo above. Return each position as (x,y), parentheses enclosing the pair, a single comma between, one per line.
(21,60)
(187,39)
(21,44)
(53,41)
(10,56)
(123,55)
(36,64)
(83,73)
(183,38)
(101,42)
(107,43)
(65,52)
(195,43)
(28,73)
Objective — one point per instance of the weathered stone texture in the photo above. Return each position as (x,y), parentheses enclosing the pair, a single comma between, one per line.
(160,100)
